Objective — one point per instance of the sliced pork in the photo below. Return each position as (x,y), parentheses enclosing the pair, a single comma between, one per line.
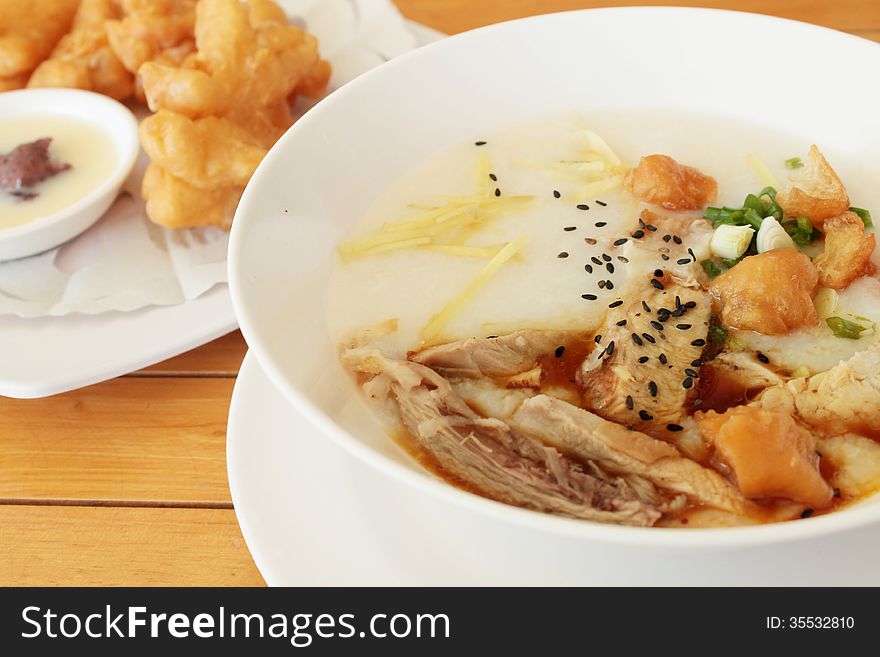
(495,356)
(618,449)
(487,456)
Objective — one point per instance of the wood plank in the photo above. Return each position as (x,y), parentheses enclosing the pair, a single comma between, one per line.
(222,357)
(156,440)
(86,546)
(452,16)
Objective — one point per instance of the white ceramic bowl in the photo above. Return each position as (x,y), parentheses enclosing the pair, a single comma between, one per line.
(324,173)
(110,116)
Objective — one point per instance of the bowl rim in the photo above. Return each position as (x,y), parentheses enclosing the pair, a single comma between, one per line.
(104,107)
(847,519)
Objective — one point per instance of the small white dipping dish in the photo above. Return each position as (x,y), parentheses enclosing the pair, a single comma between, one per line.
(106,115)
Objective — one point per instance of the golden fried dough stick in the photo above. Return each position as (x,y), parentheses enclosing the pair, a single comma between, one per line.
(221,108)
(83,58)
(28,33)
(173,203)
(207,153)
(150,30)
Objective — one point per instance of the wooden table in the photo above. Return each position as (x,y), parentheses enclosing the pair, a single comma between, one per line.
(124,483)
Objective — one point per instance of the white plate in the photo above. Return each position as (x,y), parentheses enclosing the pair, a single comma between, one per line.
(325,172)
(46,356)
(312,515)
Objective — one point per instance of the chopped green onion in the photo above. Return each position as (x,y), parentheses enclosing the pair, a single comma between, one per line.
(864,215)
(752,218)
(801,230)
(717,332)
(794,163)
(843,328)
(712,270)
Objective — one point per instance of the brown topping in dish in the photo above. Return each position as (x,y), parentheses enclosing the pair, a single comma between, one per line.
(26,166)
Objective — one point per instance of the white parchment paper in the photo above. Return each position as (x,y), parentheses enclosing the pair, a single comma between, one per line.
(124,262)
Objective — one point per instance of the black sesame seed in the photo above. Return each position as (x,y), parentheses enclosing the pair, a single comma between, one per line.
(568,229)
(622,322)
(645,415)
(601,284)
(761,357)
(677,301)
(674,427)
(589,297)
(497,192)
(609,285)
(620,242)
(589,268)
(559,351)
(583,206)
(637,339)
(600,224)
(687,383)
(562,254)
(493,177)
(663,314)
(606,257)
(678,312)
(596,260)
(651,227)
(664,256)
(662,358)
(602,203)
(657,325)
(556,193)
(691,253)
(658,273)
(690,304)
(610,348)
(643,359)
(609,267)
(638,234)
(598,338)
(649,338)
(807,513)
(697,363)
(667,237)
(682,327)
(590,241)
(691,373)
(698,343)
(491,337)
(683,261)
(676,239)
(630,404)
(623,259)
(652,388)
(479,143)
(657,284)
(615,304)
(646,307)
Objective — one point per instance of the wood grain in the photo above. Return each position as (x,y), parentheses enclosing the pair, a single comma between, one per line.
(151,440)
(219,358)
(88,546)
(452,16)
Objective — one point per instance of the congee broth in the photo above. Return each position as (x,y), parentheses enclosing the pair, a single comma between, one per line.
(652,319)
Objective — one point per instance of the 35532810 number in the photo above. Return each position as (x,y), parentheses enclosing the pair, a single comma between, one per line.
(810,622)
